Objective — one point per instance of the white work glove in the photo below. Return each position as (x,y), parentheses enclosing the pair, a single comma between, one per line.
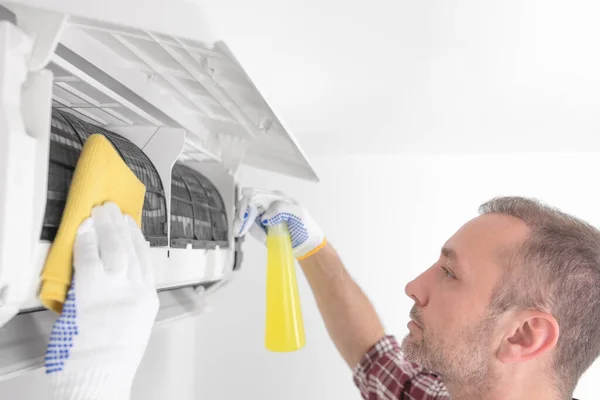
(98,341)
(257,211)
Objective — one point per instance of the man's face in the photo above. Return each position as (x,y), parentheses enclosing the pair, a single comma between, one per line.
(452,331)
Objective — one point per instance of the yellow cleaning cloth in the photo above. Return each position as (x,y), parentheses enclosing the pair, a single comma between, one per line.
(100,176)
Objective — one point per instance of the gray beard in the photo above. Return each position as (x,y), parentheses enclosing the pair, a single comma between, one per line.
(464,366)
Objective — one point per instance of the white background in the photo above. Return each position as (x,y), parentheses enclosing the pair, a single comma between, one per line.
(449,91)
(388,218)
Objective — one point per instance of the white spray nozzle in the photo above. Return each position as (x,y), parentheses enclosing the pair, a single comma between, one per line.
(255,202)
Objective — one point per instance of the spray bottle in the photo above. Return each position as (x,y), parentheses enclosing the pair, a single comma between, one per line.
(284,328)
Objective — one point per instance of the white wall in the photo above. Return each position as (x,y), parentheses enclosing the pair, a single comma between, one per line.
(387,217)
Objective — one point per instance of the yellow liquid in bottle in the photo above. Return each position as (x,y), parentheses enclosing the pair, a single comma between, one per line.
(284,325)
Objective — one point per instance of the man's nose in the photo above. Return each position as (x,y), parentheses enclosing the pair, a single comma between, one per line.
(417,290)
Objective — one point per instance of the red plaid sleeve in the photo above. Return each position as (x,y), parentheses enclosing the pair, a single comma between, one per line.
(384,374)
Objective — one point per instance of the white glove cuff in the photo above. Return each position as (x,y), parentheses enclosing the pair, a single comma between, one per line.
(310,247)
(316,238)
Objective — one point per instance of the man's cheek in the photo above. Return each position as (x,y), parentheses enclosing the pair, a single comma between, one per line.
(451,322)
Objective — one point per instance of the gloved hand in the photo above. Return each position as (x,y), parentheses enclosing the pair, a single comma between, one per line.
(99,339)
(258,210)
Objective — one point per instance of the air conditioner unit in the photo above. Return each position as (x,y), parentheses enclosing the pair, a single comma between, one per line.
(181,112)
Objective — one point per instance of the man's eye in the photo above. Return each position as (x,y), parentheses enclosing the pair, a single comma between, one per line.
(447,273)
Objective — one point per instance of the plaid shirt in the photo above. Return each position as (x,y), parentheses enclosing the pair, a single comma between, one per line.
(384,374)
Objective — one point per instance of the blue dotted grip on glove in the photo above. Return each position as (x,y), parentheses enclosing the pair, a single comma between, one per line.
(61,337)
(246,214)
(298,232)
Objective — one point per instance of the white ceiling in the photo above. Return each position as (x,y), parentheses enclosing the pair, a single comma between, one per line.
(424,76)
(398,76)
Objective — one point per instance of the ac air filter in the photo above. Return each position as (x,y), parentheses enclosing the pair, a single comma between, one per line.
(68,133)
(198,214)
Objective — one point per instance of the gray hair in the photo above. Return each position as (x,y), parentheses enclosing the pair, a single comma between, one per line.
(555,270)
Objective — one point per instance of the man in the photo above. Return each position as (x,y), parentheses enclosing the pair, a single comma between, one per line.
(509,311)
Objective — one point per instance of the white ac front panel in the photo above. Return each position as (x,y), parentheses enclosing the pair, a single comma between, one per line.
(161,80)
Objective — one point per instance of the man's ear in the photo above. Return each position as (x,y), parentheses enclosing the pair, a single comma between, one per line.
(530,334)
